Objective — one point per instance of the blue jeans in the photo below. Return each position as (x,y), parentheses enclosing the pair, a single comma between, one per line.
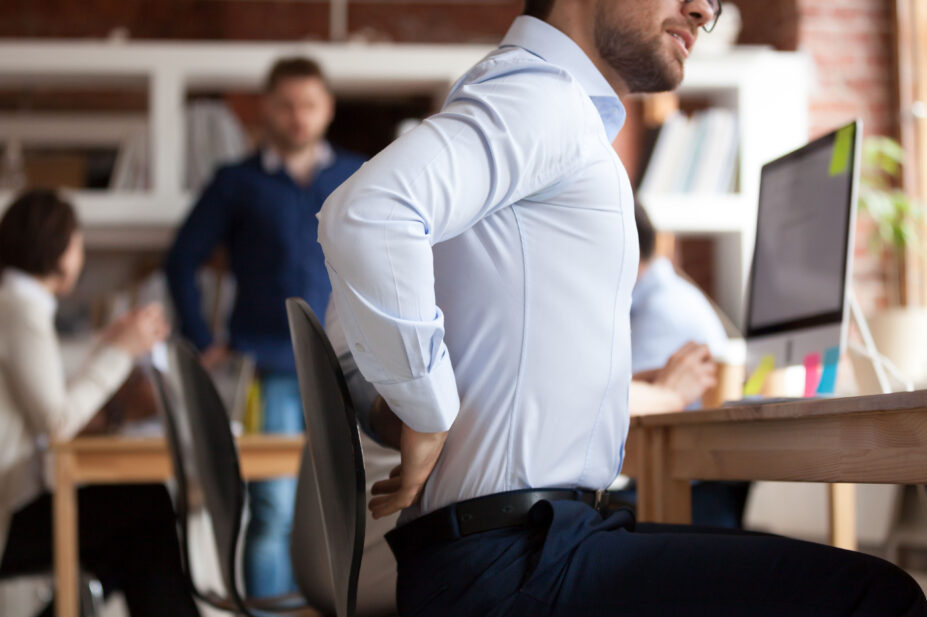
(267,540)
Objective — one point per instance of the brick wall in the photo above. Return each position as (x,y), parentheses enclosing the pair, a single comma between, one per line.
(769,23)
(852,43)
(422,21)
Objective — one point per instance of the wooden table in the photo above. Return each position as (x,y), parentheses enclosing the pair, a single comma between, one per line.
(870,439)
(124,460)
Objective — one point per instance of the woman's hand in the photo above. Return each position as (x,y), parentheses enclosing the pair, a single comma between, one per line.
(138,331)
(214,355)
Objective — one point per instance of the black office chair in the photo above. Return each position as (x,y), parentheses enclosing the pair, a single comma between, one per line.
(206,464)
(184,479)
(328,528)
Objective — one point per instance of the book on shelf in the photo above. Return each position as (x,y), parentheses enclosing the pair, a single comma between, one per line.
(213,136)
(696,154)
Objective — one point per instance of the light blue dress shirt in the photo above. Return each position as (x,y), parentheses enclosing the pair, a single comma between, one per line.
(482,265)
(667,312)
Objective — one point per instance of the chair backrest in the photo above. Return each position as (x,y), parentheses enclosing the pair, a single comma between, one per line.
(328,527)
(214,456)
(233,377)
(182,474)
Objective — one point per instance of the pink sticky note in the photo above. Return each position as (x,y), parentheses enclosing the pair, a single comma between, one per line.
(812,373)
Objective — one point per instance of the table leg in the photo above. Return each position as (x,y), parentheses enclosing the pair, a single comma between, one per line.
(65,538)
(661,498)
(841,504)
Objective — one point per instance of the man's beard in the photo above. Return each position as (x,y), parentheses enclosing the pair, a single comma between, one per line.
(286,144)
(637,60)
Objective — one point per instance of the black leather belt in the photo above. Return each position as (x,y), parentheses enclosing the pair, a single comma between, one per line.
(480,514)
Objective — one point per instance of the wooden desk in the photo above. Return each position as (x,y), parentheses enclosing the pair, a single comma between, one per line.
(870,439)
(124,460)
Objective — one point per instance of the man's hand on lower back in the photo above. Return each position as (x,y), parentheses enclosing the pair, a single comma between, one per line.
(386,425)
(420,452)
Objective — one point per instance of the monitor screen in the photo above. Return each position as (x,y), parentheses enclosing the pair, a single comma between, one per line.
(804,218)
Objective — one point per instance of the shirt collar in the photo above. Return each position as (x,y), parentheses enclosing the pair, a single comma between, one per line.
(272,162)
(548,43)
(28,286)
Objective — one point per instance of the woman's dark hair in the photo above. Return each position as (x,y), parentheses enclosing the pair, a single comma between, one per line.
(35,232)
(646,235)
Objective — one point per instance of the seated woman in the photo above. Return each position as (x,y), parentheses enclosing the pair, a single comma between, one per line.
(126,533)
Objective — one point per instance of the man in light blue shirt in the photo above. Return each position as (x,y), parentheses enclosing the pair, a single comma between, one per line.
(482,266)
(667,311)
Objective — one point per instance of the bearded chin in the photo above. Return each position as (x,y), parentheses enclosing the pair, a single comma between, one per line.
(283,141)
(637,61)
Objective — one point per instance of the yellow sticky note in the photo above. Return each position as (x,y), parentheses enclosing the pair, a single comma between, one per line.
(254,409)
(758,378)
(840,159)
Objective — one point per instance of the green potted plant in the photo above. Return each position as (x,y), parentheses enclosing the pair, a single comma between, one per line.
(899,330)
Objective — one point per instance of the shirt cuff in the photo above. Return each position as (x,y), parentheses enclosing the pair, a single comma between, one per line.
(428,404)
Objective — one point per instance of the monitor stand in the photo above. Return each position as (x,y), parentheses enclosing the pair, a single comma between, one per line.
(882,365)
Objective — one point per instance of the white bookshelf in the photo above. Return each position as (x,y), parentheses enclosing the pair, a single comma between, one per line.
(169,71)
(768,91)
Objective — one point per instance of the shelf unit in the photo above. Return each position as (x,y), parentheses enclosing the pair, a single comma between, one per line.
(768,91)
(170,71)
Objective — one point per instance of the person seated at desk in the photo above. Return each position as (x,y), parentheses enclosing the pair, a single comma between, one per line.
(672,322)
(678,384)
(667,311)
(126,533)
(262,211)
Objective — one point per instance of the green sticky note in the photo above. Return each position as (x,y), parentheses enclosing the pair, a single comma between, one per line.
(840,160)
(758,378)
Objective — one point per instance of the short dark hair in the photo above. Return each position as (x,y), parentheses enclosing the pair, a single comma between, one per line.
(539,8)
(35,232)
(294,67)
(646,234)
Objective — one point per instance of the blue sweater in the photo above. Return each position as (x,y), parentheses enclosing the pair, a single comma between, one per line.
(268,225)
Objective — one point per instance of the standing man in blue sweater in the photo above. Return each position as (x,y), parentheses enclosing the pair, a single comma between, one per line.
(262,211)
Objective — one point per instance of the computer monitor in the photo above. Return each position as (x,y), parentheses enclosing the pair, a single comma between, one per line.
(798,296)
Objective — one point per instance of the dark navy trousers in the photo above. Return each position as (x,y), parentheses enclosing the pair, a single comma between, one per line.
(570,562)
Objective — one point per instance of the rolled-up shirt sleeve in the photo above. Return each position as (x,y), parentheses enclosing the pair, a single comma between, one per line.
(363,394)
(500,137)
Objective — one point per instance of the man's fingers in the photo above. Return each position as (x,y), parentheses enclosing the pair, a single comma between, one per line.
(385,487)
(381,506)
(704,352)
(389,504)
(395,471)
